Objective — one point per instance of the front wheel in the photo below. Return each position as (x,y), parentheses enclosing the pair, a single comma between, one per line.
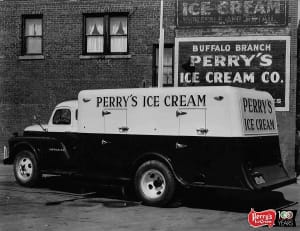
(154,183)
(26,169)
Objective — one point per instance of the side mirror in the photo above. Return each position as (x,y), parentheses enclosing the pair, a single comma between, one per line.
(38,121)
(36,118)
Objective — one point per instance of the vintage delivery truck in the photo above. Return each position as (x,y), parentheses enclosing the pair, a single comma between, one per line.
(158,139)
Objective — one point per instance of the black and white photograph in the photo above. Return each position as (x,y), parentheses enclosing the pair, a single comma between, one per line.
(159,115)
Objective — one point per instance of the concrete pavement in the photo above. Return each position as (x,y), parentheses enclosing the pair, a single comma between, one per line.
(62,204)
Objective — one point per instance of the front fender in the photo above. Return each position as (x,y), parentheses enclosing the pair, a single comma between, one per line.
(38,145)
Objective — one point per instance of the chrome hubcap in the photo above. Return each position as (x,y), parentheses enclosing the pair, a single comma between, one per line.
(153,184)
(24,168)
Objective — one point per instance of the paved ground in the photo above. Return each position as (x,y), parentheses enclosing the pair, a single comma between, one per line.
(62,204)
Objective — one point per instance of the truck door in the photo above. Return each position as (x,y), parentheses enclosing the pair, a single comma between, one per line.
(191,121)
(191,127)
(115,121)
(62,126)
(112,146)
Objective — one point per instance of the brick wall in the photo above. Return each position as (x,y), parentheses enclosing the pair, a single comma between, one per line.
(29,87)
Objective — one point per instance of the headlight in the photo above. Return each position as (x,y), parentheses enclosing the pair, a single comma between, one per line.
(5,152)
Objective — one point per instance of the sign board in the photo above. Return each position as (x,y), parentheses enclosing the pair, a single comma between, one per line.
(259,62)
(258,116)
(198,13)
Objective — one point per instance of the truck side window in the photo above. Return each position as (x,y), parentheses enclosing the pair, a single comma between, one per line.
(62,116)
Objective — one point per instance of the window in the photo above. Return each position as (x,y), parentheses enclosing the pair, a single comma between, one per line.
(105,34)
(62,116)
(118,34)
(94,35)
(32,35)
(168,79)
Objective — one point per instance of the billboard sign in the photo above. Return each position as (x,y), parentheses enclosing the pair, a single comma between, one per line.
(260,62)
(198,13)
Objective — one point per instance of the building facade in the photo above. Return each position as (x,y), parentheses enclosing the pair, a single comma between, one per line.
(52,49)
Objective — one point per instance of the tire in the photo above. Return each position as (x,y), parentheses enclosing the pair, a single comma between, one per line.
(154,183)
(26,169)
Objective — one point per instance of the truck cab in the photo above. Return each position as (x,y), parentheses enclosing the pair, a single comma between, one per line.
(56,141)
(64,118)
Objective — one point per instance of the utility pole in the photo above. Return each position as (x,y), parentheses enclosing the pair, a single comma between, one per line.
(161,47)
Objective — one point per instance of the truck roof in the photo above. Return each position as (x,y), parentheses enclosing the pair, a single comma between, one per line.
(69,103)
(217,89)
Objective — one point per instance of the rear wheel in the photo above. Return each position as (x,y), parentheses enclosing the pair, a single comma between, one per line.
(154,183)
(26,169)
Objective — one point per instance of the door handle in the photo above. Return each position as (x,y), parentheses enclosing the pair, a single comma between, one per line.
(123,129)
(202,131)
(104,142)
(104,113)
(180,113)
(85,100)
(179,145)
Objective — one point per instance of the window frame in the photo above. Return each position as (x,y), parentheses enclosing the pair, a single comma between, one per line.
(85,36)
(155,69)
(24,37)
(110,36)
(106,33)
(62,124)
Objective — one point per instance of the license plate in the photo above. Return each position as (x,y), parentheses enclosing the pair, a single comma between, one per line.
(259,180)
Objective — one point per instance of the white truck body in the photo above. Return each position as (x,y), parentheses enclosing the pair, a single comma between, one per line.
(192,111)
